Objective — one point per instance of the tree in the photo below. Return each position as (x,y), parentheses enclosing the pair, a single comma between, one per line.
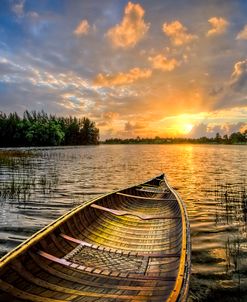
(237,137)
(218,138)
(39,129)
(89,134)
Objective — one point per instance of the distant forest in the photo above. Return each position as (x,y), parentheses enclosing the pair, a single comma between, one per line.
(234,138)
(41,129)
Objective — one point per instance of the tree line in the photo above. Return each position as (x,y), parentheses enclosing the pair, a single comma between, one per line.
(234,138)
(40,129)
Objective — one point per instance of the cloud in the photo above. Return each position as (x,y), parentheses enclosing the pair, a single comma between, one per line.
(219,26)
(132,129)
(239,76)
(242,35)
(163,63)
(230,128)
(131,29)
(216,91)
(107,118)
(72,102)
(232,93)
(82,28)
(210,129)
(18,8)
(178,33)
(129,127)
(121,78)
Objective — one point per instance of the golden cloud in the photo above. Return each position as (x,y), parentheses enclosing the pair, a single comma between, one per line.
(242,35)
(121,78)
(109,116)
(163,63)
(219,26)
(82,28)
(131,29)
(178,33)
(243,128)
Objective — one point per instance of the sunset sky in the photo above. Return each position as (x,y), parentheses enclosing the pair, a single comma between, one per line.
(142,68)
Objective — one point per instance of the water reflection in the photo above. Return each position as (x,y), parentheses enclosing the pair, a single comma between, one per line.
(38,187)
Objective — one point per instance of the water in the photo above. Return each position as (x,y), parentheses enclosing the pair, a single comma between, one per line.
(44,184)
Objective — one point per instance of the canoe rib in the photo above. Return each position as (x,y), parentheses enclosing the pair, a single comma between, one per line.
(83,243)
(128,245)
(147,198)
(138,215)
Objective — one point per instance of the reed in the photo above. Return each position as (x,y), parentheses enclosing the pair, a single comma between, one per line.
(231,199)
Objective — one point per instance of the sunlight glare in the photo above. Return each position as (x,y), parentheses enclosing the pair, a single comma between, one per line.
(186,128)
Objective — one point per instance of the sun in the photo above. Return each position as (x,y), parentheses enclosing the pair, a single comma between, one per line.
(186,128)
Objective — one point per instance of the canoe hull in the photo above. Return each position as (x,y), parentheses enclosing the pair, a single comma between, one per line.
(128,245)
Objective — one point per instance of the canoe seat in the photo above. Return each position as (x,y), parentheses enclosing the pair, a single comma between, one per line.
(105,263)
(110,261)
(132,213)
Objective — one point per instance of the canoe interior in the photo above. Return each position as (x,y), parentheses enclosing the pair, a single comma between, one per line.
(130,245)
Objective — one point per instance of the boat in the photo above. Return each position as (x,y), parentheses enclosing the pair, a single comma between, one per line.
(128,245)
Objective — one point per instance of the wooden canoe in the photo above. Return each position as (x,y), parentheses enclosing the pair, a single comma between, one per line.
(128,245)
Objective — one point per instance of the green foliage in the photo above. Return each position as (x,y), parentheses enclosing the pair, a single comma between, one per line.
(39,129)
(234,138)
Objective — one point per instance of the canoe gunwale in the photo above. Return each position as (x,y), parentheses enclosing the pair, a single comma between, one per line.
(181,287)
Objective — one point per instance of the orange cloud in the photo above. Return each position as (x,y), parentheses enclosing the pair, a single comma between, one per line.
(121,78)
(178,33)
(82,28)
(219,26)
(108,118)
(131,29)
(161,62)
(242,35)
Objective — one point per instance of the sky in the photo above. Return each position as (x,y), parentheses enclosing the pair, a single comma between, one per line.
(137,68)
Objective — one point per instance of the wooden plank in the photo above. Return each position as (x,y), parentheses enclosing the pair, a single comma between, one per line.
(135,214)
(146,198)
(16,292)
(96,283)
(67,290)
(117,251)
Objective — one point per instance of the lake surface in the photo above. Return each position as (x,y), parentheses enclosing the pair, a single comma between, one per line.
(42,185)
